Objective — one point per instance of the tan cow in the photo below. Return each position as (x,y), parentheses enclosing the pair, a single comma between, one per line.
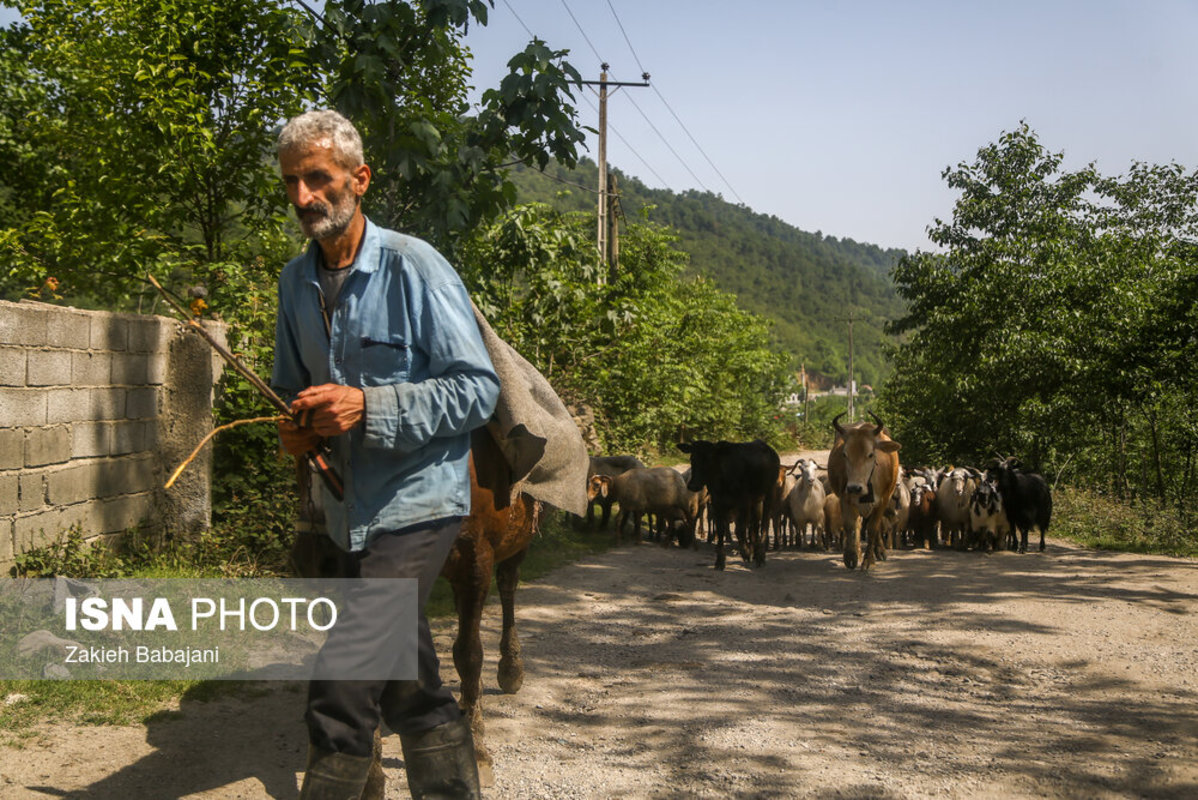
(863,469)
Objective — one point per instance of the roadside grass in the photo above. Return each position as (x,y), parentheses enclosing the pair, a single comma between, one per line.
(1106,523)
(24,704)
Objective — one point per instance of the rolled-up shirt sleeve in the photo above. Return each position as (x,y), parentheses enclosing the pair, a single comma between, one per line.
(462,388)
(289,376)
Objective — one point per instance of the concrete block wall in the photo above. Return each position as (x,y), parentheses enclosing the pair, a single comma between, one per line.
(96,411)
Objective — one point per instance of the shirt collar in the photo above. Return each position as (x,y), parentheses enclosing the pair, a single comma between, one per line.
(367,259)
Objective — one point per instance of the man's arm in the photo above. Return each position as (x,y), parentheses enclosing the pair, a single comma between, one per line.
(289,379)
(460,396)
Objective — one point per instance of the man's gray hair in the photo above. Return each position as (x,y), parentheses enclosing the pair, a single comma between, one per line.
(312,127)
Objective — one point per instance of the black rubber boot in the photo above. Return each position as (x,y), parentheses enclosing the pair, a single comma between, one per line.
(440,763)
(334,776)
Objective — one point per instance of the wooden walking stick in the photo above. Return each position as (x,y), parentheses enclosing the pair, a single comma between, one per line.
(315,458)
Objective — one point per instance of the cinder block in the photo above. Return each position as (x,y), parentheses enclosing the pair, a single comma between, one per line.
(130,369)
(106,403)
(149,435)
(67,405)
(19,325)
(141,403)
(90,439)
(23,407)
(75,484)
(12,448)
(32,491)
(149,334)
(156,368)
(127,475)
(12,367)
(7,551)
(108,332)
(67,329)
(130,436)
(10,495)
(91,369)
(48,446)
(49,368)
(39,530)
(122,513)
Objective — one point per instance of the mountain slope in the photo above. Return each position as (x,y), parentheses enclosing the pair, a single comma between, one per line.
(808,284)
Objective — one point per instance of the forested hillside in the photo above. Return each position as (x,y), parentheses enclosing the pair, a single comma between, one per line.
(808,284)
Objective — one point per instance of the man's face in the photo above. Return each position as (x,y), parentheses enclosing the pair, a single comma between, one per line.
(323,192)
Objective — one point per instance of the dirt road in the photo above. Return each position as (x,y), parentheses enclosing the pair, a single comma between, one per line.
(1064,674)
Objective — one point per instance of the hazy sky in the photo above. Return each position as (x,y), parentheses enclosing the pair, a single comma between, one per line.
(840,116)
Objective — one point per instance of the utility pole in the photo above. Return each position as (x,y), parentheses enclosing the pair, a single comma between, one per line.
(604,201)
(614,212)
(806,395)
(852,410)
(852,376)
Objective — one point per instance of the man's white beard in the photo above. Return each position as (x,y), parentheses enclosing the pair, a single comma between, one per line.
(336,219)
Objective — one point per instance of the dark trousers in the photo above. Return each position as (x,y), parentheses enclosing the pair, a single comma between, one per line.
(342,715)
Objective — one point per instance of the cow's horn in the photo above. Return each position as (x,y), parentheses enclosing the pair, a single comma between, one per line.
(881,424)
(836,423)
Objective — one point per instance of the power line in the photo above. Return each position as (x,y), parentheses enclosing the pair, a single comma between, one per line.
(697,147)
(641,111)
(586,189)
(631,149)
(666,142)
(626,39)
(582,31)
(668,107)
(517,16)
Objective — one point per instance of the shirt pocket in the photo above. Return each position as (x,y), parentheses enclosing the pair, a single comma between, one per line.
(385,359)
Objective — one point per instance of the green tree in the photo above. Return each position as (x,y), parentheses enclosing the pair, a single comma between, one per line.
(400,71)
(149,148)
(1041,328)
(659,356)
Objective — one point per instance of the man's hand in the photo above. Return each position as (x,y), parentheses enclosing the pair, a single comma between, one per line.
(330,409)
(297,440)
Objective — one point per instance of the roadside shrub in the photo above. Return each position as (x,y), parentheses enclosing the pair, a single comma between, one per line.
(1102,522)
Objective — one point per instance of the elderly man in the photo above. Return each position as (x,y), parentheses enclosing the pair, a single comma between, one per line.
(378,350)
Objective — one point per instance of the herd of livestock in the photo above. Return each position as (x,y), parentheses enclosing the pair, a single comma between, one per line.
(741,491)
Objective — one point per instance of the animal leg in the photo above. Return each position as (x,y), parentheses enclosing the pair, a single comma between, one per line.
(759,530)
(470,593)
(852,541)
(873,542)
(720,533)
(511,666)
(621,518)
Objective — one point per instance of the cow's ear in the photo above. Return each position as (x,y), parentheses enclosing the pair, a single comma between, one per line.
(685,447)
(605,485)
(889,447)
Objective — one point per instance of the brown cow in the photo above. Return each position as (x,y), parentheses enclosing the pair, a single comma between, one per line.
(863,469)
(494,539)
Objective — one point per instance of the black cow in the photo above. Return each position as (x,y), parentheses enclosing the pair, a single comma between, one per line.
(740,479)
(1025,496)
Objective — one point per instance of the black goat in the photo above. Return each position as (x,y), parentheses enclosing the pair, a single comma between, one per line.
(1025,496)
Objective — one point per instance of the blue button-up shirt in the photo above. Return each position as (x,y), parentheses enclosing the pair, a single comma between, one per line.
(403,331)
